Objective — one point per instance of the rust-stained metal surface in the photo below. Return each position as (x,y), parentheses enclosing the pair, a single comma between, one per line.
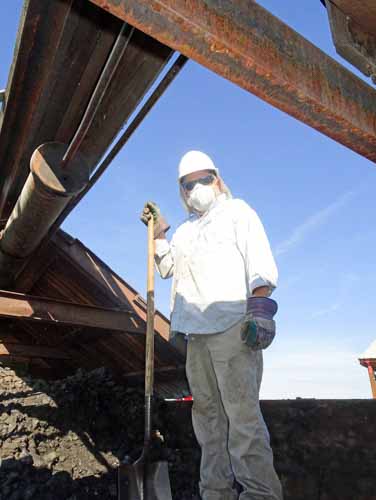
(61,49)
(63,313)
(17,350)
(370,364)
(244,43)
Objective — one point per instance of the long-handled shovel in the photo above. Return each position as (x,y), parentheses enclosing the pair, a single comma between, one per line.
(146,480)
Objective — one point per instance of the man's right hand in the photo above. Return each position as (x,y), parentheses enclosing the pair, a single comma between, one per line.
(161,226)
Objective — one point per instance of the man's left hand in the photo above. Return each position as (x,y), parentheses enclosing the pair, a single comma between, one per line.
(257,333)
(258,329)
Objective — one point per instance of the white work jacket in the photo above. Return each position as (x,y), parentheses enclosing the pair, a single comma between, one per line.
(216,261)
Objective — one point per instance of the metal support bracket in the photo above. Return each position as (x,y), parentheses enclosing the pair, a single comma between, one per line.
(352,42)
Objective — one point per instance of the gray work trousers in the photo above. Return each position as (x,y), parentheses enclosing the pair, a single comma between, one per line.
(224,377)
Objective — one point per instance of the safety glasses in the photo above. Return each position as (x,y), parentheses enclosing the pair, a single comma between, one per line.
(206,181)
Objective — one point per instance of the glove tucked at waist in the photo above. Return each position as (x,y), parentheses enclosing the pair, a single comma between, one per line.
(258,329)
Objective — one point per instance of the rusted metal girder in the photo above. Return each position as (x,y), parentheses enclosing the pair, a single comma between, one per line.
(44,310)
(244,43)
(12,350)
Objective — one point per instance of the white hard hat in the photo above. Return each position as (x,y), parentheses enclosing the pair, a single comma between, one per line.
(194,161)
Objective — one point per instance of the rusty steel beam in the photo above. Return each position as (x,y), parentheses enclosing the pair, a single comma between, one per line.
(244,43)
(11,350)
(44,310)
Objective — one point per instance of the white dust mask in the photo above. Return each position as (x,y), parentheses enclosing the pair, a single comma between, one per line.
(202,197)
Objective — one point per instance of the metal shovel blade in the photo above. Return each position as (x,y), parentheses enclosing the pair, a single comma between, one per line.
(141,481)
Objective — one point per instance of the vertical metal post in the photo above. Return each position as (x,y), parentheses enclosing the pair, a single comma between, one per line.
(371,373)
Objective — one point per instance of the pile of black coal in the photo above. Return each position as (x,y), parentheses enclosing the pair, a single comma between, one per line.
(64,439)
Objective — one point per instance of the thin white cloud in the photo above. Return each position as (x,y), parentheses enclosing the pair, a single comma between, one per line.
(326,310)
(313,222)
(346,284)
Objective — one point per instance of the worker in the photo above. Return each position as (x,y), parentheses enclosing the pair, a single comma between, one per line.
(218,258)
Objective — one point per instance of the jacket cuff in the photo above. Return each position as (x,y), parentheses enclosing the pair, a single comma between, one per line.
(258,281)
(161,227)
(162,247)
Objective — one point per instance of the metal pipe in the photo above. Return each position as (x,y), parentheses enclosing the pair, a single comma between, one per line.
(111,65)
(47,191)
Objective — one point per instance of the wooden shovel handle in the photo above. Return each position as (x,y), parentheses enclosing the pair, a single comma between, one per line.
(149,354)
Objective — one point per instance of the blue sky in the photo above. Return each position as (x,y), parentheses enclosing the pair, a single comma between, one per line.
(315,197)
